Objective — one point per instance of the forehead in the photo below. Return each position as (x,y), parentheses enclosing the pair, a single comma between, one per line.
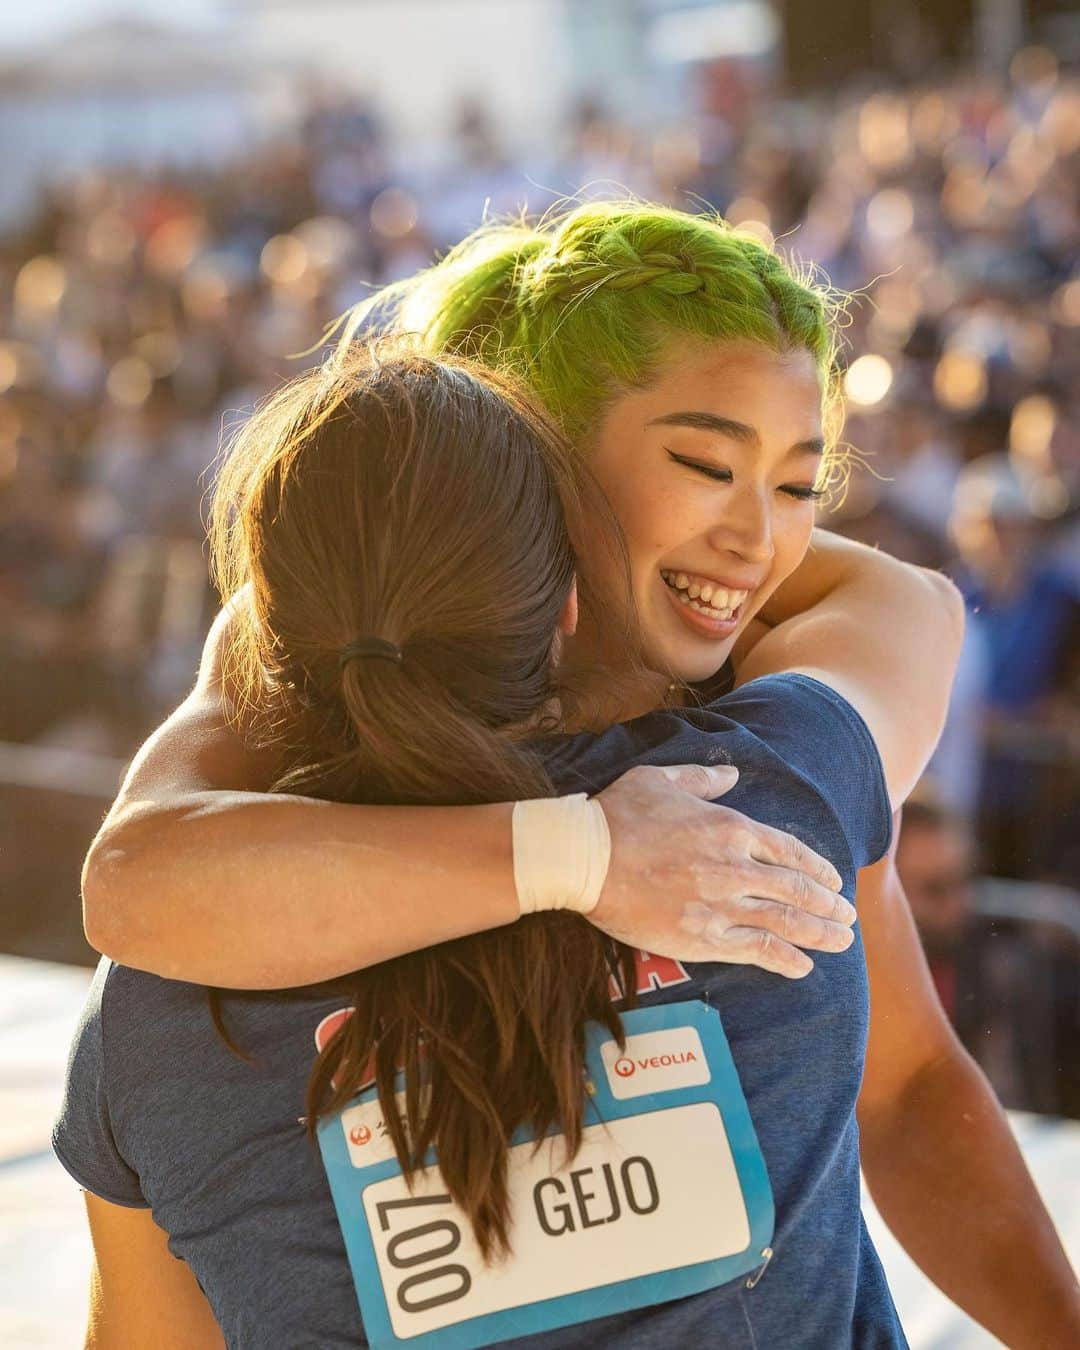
(778,394)
(699,376)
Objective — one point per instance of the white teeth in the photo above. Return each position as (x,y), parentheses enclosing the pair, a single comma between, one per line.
(715,601)
(703,609)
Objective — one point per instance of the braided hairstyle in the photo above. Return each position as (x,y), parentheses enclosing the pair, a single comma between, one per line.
(584,306)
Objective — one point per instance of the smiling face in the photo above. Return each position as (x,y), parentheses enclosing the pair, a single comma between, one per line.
(711,471)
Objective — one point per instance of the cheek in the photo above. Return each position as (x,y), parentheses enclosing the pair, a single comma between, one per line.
(791,539)
(653,522)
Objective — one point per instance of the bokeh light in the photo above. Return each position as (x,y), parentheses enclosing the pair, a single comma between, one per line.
(9,366)
(174,244)
(960,381)
(20,366)
(868,380)
(1060,123)
(934,122)
(284,259)
(964,195)
(745,211)
(129,382)
(40,286)
(1031,430)
(329,241)
(160,350)
(890,213)
(394,213)
(884,131)
(1065,305)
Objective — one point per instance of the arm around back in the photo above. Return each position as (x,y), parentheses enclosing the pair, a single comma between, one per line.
(199,874)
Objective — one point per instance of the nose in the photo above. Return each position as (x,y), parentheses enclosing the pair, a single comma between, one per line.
(746,526)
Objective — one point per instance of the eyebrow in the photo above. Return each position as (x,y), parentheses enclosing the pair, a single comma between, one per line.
(727,426)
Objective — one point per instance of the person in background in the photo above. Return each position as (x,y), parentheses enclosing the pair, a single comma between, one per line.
(1024,614)
(1002,982)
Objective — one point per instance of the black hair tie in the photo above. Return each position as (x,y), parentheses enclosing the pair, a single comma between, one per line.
(370,646)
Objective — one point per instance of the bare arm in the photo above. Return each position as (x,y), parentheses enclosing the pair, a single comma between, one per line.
(937,1152)
(884,634)
(196,874)
(140,1294)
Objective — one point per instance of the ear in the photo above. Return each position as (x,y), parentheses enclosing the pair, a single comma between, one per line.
(569,616)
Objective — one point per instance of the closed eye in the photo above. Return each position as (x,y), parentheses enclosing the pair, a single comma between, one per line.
(803,494)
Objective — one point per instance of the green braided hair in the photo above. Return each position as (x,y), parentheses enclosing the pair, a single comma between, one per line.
(583,306)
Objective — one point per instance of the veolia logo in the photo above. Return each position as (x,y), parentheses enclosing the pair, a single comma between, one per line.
(655,1061)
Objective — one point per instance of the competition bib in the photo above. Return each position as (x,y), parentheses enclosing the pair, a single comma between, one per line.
(667,1197)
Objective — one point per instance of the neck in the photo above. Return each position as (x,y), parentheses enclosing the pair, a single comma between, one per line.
(604,690)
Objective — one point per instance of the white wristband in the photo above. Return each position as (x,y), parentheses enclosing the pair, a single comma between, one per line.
(562,847)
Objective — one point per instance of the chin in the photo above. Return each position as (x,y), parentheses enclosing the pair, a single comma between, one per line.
(695,667)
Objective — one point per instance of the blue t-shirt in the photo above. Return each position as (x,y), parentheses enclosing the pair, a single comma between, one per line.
(158,1112)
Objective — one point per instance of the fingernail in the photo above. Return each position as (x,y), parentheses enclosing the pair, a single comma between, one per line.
(727,773)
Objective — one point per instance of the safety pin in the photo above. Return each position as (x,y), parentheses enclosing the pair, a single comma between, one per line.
(767,1253)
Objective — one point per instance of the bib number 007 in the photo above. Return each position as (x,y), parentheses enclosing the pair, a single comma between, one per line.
(409,1293)
(645,1172)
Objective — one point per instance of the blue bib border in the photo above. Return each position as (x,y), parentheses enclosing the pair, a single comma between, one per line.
(348,1184)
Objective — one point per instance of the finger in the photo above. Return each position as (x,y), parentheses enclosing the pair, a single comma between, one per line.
(793,925)
(797,889)
(707,781)
(793,889)
(780,849)
(758,947)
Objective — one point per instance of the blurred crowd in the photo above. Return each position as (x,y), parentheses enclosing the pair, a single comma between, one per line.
(142,314)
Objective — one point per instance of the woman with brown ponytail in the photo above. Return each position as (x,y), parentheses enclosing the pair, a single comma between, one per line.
(699,375)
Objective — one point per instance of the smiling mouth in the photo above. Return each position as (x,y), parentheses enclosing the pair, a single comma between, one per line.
(706,597)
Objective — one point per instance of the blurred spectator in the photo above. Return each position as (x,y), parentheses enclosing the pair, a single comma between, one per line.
(1006,983)
(1024,621)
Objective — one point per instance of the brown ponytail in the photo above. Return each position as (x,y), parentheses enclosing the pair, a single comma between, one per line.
(427,504)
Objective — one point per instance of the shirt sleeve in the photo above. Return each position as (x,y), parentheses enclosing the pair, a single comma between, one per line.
(82,1137)
(819,734)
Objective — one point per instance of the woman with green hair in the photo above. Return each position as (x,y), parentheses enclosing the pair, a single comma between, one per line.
(698,375)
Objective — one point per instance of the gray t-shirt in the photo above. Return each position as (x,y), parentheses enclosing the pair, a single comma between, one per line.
(159,1112)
